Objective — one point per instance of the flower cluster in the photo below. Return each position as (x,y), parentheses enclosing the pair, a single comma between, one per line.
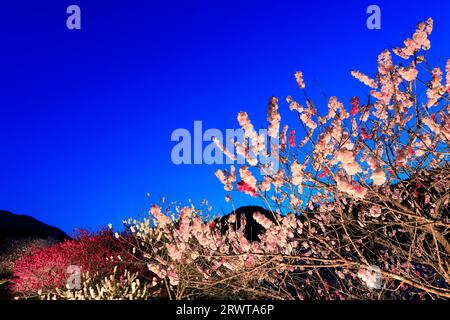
(125,286)
(359,168)
(44,269)
(419,40)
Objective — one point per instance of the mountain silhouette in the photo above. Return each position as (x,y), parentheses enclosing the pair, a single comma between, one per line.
(23,226)
(252,228)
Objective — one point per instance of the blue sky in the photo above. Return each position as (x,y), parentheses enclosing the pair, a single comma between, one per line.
(86,116)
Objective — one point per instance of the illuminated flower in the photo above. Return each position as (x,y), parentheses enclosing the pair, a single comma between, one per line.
(292,139)
(370,277)
(274,118)
(262,220)
(355,106)
(378,177)
(409,74)
(244,187)
(447,77)
(299,78)
(365,79)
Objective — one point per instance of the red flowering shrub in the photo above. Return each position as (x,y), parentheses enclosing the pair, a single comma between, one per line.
(13,248)
(46,268)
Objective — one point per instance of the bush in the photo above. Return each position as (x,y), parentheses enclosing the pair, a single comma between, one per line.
(45,269)
(13,248)
(127,286)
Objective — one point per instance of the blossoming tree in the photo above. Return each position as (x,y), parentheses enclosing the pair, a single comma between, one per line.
(365,190)
(360,205)
(374,190)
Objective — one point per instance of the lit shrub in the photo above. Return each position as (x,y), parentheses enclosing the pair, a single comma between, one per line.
(13,248)
(45,269)
(196,258)
(115,286)
(366,190)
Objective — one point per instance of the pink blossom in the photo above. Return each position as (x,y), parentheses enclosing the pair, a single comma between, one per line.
(369,277)
(265,184)
(355,106)
(157,269)
(418,41)
(385,65)
(365,79)
(292,139)
(409,74)
(297,173)
(401,158)
(381,110)
(294,106)
(262,220)
(372,162)
(348,160)
(447,77)
(364,134)
(378,177)
(245,124)
(333,106)
(436,89)
(375,211)
(223,149)
(357,192)
(299,78)
(274,118)
(173,276)
(173,252)
(248,183)
(244,187)
(161,218)
(324,173)
(226,178)
(307,120)
(434,127)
